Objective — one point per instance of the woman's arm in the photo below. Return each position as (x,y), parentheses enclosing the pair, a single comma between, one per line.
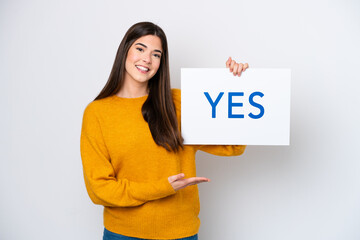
(100,178)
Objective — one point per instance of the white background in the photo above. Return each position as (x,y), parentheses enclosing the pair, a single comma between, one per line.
(55,57)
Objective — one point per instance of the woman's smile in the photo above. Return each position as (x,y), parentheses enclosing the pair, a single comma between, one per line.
(142,68)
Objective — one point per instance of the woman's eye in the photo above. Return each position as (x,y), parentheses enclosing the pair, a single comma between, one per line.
(139,49)
(157,55)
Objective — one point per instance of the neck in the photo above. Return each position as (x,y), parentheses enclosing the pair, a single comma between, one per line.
(133,90)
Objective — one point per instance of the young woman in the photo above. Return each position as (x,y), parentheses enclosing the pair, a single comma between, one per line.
(134,160)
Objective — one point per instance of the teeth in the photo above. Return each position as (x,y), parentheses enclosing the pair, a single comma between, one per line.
(142,68)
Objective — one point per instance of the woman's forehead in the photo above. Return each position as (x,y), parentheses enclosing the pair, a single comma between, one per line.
(150,41)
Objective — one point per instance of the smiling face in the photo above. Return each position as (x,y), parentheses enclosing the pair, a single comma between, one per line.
(143,60)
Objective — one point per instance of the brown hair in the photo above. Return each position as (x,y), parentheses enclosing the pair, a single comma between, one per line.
(158,110)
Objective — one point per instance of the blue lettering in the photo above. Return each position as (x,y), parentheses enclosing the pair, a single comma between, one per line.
(259,106)
(213,104)
(231,105)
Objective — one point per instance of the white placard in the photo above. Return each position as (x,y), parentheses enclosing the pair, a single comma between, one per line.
(253,109)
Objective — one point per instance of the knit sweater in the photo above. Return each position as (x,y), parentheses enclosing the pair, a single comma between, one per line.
(127,172)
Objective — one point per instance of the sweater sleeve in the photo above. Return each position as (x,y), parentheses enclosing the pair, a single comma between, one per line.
(222,150)
(102,185)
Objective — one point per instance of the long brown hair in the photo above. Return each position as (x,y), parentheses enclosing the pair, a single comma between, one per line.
(158,110)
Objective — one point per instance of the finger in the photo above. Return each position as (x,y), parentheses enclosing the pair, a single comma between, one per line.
(191,181)
(176,177)
(199,179)
(232,65)
(246,66)
(183,183)
(196,180)
(241,67)
(228,62)
(236,67)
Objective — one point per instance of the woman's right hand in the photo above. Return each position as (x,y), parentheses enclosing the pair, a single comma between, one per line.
(178,181)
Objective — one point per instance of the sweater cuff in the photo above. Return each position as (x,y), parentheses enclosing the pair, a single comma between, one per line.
(165,188)
(239,149)
(153,190)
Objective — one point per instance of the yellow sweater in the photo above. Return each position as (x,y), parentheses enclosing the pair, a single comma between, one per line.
(127,173)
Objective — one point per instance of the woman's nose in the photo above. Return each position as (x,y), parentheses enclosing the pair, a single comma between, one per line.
(147,58)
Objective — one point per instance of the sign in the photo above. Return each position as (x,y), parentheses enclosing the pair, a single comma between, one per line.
(222,109)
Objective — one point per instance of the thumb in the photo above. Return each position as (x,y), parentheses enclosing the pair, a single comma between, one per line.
(176,177)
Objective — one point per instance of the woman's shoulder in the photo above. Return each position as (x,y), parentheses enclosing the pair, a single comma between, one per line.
(97,106)
(176,94)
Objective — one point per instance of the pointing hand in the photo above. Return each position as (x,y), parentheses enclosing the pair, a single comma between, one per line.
(178,181)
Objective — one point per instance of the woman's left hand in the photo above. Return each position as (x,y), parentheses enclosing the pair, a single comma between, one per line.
(236,68)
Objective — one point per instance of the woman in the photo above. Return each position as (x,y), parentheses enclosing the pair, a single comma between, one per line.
(134,160)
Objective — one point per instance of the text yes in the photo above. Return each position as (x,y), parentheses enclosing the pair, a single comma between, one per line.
(232,104)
